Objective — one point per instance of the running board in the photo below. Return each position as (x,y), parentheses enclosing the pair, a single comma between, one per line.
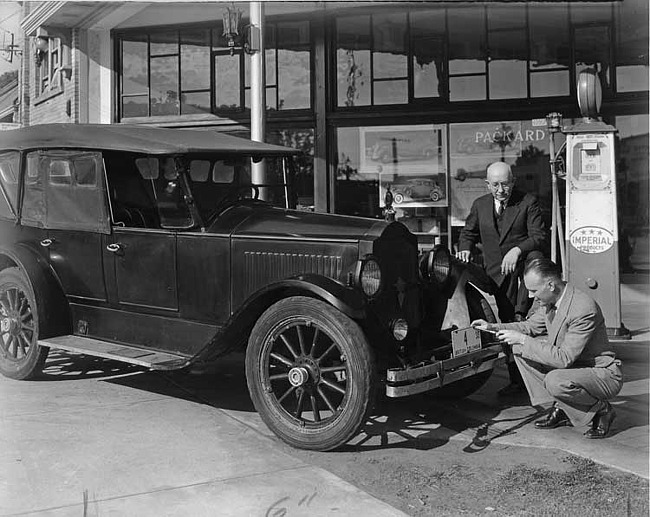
(126,354)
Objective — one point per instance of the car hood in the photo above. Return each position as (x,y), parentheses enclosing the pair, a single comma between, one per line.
(268,222)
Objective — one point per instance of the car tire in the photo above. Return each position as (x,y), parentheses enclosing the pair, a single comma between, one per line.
(310,373)
(398,198)
(435,195)
(479,308)
(21,357)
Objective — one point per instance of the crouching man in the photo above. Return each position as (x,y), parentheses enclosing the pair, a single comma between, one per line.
(562,353)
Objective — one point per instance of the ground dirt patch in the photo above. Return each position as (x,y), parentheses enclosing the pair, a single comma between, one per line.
(499,480)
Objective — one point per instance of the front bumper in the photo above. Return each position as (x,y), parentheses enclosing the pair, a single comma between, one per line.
(401,382)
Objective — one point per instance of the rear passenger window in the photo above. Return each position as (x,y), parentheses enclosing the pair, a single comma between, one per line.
(9,167)
(60,172)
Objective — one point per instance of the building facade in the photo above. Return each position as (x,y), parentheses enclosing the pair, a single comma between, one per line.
(412,98)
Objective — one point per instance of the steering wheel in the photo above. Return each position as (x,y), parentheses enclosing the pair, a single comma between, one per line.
(236,195)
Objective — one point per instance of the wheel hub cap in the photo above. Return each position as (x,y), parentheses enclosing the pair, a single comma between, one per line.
(9,325)
(298,376)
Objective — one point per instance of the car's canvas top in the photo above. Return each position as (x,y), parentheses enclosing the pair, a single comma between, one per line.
(134,138)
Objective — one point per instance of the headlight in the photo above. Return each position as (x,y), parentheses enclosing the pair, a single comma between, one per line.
(370,277)
(436,265)
(399,328)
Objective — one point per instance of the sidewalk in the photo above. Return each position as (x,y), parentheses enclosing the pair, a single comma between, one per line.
(83,443)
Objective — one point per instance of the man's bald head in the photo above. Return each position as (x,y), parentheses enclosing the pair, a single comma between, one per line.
(500,172)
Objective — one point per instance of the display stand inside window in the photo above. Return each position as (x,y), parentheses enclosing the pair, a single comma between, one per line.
(411,164)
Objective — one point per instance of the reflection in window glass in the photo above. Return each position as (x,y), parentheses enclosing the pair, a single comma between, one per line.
(356,193)
(353,61)
(164,43)
(192,103)
(592,50)
(135,106)
(164,86)
(466,40)
(227,81)
(550,51)
(303,181)
(508,64)
(428,43)
(467,88)
(295,77)
(389,46)
(632,190)
(391,92)
(632,48)
(549,84)
(195,60)
(9,164)
(134,66)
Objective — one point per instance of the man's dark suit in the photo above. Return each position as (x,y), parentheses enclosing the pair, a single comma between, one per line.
(519,225)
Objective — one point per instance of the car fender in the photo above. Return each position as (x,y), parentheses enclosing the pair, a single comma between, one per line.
(234,335)
(51,303)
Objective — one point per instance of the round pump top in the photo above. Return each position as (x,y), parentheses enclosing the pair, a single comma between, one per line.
(590,93)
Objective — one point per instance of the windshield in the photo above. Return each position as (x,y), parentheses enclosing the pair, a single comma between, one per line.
(190,190)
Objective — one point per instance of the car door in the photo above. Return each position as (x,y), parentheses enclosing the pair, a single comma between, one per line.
(65,194)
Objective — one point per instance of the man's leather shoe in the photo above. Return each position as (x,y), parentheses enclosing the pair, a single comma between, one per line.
(556,418)
(601,423)
(511,390)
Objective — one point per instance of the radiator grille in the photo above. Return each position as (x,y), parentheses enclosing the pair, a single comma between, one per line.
(261,268)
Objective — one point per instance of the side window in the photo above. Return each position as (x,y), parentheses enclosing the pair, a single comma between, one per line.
(9,167)
(33,210)
(199,170)
(63,191)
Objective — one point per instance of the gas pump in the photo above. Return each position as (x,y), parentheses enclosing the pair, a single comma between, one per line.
(591,211)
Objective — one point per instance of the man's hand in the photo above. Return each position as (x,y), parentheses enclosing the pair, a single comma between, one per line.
(481,325)
(463,255)
(509,262)
(512,337)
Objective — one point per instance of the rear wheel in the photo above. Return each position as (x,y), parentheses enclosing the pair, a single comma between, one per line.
(21,357)
(479,308)
(310,373)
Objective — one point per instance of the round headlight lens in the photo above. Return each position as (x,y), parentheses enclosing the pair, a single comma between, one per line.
(400,329)
(370,277)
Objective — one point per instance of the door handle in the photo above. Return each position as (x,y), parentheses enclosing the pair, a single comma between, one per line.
(114,248)
(46,243)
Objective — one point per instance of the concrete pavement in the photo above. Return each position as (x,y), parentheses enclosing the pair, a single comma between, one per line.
(99,438)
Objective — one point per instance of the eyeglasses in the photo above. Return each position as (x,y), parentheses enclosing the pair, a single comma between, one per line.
(505,186)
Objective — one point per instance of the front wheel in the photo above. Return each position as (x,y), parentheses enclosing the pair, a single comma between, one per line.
(310,373)
(21,357)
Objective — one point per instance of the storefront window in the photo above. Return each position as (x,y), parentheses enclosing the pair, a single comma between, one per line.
(405,165)
(135,78)
(353,60)
(389,59)
(472,147)
(550,51)
(507,47)
(632,190)
(195,71)
(632,47)
(153,64)
(592,49)
(467,58)
(303,139)
(428,36)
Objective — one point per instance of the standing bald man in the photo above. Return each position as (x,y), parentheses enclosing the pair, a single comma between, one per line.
(508,223)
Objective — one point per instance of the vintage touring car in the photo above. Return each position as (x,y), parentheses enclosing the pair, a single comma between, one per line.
(155,247)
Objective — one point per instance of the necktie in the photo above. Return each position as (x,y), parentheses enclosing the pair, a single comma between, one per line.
(502,205)
(550,313)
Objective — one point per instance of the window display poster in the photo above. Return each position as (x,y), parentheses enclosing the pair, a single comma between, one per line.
(410,162)
(474,146)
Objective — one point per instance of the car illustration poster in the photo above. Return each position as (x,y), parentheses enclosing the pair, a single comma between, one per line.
(410,162)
